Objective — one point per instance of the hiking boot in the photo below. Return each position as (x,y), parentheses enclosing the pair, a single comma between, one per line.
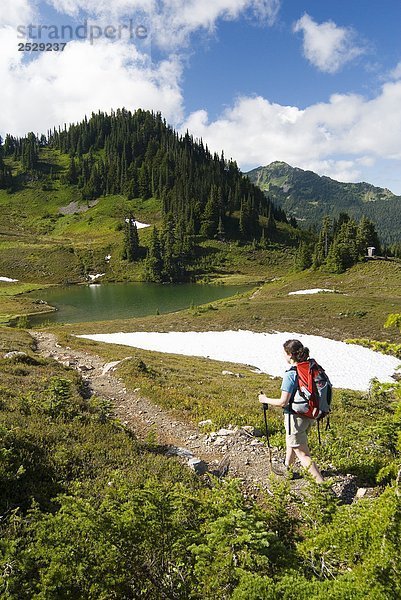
(289,472)
(286,471)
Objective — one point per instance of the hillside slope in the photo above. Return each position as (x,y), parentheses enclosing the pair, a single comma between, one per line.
(308,197)
(66,199)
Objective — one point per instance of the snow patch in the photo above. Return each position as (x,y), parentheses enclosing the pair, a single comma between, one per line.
(8,279)
(348,366)
(138,224)
(312,291)
(94,277)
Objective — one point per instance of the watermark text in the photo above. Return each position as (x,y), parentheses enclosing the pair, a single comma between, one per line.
(84,31)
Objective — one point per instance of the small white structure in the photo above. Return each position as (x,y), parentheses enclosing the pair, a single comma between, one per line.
(371,251)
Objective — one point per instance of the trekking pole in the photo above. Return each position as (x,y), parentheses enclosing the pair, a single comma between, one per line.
(318,433)
(265,407)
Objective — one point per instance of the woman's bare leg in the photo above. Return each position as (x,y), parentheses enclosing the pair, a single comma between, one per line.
(303,454)
(289,456)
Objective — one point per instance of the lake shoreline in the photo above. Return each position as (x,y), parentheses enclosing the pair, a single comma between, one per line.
(94,302)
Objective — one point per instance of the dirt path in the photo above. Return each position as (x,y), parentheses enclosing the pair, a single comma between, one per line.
(237,451)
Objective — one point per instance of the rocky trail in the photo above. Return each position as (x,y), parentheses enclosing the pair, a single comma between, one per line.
(237,452)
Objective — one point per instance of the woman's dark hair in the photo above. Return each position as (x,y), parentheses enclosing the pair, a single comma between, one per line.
(296,350)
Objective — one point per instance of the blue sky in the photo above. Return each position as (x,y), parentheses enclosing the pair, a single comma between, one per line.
(243,58)
(314,83)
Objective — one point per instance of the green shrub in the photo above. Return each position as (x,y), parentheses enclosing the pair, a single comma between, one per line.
(383,347)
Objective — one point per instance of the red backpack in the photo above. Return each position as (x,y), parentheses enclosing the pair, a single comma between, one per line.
(312,398)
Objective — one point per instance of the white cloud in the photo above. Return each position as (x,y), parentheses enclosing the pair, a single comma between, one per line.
(173,21)
(267,10)
(396,73)
(99,7)
(15,12)
(342,138)
(326,45)
(62,87)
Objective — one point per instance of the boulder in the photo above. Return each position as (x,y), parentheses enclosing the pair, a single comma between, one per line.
(14,354)
(84,368)
(232,374)
(220,441)
(198,465)
(366,493)
(177,451)
(223,431)
(254,431)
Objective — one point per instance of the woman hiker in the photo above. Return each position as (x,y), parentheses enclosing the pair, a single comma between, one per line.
(296,427)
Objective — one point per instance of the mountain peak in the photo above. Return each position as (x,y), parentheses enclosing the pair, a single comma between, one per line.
(308,196)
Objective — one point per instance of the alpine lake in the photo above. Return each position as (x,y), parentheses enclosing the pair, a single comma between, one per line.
(109,301)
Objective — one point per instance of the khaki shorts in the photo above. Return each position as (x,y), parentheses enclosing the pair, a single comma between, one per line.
(298,428)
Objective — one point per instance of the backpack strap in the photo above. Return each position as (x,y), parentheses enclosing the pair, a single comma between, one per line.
(293,368)
(290,412)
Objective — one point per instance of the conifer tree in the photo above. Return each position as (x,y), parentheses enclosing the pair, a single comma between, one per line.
(323,244)
(210,218)
(303,257)
(366,236)
(248,220)
(189,240)
(144,182)
(271,223)
(153,262)
(221,232)
(343,252)
(72,174)
(264,238)
(244,219)
(5,172)
(168,247)
(10,144)
(131,240)
(343,217)
(30,152)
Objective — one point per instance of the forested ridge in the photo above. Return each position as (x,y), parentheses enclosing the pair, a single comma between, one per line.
(139,155)
(202,196)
